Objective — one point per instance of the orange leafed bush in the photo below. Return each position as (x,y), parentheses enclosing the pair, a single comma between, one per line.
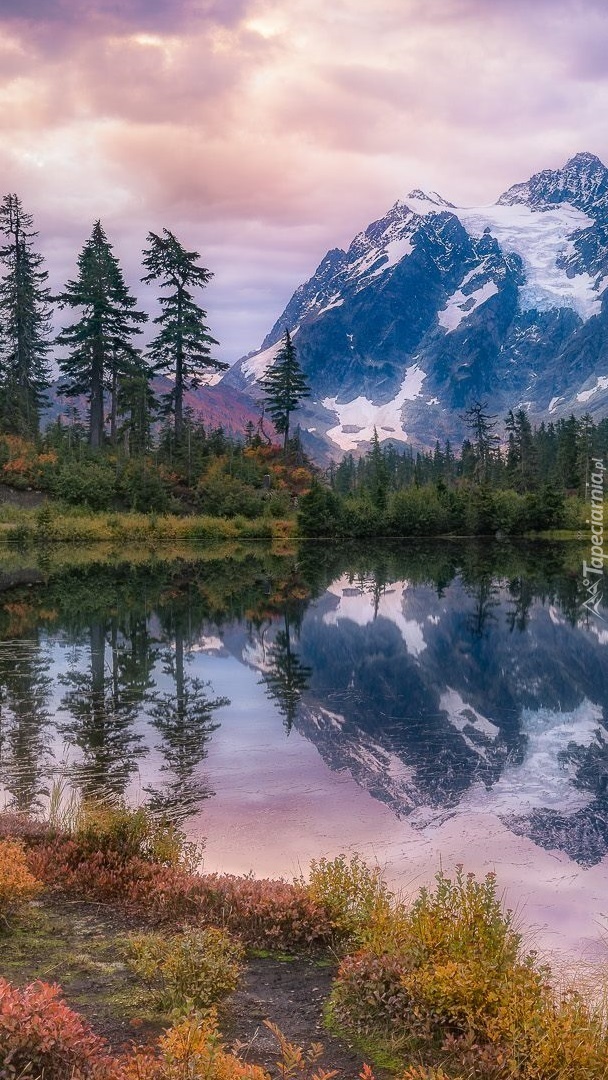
(192,1049)
(22,465)
(41,1037)
(17,883)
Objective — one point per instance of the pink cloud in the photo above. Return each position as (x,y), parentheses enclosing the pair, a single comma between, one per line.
(266,131)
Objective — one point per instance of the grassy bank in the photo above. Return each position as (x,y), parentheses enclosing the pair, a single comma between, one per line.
(440,988)
(55,524)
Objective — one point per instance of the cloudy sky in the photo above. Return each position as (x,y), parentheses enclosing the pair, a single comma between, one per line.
(265,132)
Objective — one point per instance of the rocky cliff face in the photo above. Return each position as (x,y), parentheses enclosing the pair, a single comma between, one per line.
(434,306)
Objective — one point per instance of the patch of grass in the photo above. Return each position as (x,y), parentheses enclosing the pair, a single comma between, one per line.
(271,954)
(70,525)
(386,1054)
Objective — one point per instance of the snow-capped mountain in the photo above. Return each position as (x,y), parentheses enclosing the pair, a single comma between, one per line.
(434,306)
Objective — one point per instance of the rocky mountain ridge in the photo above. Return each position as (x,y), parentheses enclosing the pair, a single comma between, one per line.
(435,306)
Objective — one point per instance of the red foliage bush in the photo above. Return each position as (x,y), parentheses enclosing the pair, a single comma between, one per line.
(270,914)
(275,914)
(369,994)
(41,1036)
(14,826)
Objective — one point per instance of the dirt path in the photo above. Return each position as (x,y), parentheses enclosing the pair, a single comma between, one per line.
(81,947)
(291,994)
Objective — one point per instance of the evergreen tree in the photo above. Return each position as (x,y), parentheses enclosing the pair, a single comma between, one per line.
(136,407)
(101,351)
(522,464)
(182,345)
(485,441)
(102,721)
(24,321)
(568,454)
(284,387)
(184,719)
(378,474)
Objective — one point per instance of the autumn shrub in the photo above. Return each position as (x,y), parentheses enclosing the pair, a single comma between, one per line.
(368,996)
(130,832)
(23,465)
(353,894)
(456,958)
(266,914)
(296,1062)
(17,883)
(422,1072)
(458,994)
(18,826)
(190,1050)
(194,970)
(269,914)
(40,1037)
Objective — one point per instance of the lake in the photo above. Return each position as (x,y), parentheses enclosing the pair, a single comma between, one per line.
(424,704)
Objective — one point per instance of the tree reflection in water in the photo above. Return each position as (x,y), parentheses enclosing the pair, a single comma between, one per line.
(416,667)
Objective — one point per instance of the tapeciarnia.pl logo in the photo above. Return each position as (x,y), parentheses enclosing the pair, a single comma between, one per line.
(593,571)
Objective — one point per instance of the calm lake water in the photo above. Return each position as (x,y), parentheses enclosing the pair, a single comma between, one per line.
(424,705)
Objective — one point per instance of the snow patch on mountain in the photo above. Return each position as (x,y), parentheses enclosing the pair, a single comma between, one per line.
(542,239)
(460,305)
(538,782)
(601,383)
(379,249)
(462,715)
(334,302)
(395,251)
(358,418)
(255,366)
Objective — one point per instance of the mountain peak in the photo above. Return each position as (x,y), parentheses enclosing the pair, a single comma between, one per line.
(583,160)
(582,181)
(430,197)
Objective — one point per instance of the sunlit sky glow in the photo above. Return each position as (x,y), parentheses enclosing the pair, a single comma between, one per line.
(265,132)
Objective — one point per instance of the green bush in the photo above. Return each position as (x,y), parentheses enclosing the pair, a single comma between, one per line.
(88,483)
(142,489)
(353,894)
(318,512)
(417,511)
(358,517)
(194,970)
(228,496)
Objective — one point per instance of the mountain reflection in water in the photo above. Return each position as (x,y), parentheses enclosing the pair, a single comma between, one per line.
(439,677)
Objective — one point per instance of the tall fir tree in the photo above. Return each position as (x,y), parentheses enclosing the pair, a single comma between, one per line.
(136,407)
(100,341)
(284,387)
(182,347)
(521,451)
(25,321)
(485,441)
